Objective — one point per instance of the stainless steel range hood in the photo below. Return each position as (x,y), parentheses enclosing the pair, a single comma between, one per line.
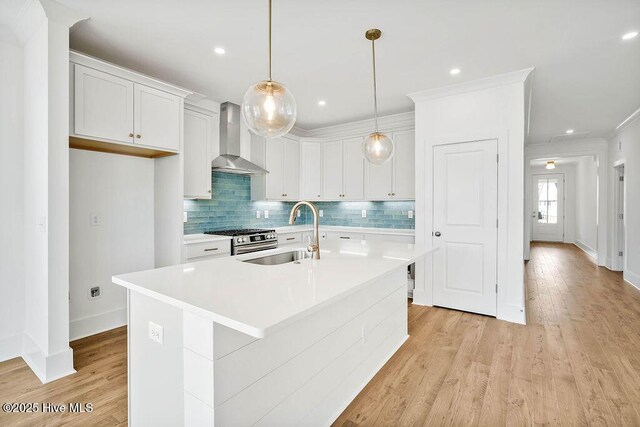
(229,159)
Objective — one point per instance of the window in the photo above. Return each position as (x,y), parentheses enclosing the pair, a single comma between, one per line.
(547,200)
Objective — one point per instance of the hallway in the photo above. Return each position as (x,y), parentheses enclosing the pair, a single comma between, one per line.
(576,362)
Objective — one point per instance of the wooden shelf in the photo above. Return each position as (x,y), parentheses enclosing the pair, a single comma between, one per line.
(113,148)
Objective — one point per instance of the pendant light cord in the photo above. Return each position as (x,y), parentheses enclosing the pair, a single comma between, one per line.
(375,86)
(269,40)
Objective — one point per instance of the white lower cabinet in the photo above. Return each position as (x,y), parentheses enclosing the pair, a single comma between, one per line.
(207,250)
(287,238)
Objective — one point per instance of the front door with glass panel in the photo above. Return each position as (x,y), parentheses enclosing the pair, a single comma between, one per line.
(548,208)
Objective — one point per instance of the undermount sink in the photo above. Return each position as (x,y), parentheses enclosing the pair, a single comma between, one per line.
(281,258)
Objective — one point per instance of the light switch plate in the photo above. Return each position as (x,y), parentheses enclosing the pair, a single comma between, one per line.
(410,214)
(266,213)
(364,213)
(321,213)
(156,333)
(258,214)
(299,213)
(185,217)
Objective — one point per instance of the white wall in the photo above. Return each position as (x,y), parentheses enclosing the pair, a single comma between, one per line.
(625,146)
(569,172)
(119,189)
(11,194)
(587,204)
(492,108)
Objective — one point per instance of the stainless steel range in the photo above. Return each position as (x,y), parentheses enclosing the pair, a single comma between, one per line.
(249,240)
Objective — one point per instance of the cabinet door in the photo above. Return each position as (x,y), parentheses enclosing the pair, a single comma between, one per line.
(197,156)
(353,169)
(275,165)
(379,180)
(291,158)
(332,170)
(404,165)
(156,118)
(311,170)
(103,105)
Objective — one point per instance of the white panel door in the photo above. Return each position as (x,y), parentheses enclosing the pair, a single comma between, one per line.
(274,162)
(404,184)
(548,207)
(311,170)
(103,105)
(332,170)
(291,158)
(156,118)
(353,169)
(197,156)
(465,199)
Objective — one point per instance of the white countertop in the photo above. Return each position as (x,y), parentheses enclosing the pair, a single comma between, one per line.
(366,230)
(258,300)
(188,239)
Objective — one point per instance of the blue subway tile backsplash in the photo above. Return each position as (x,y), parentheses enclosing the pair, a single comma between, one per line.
(231,207)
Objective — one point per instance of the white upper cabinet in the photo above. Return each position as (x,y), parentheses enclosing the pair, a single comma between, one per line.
(112,109)
(156,118)
(353,169)
(332,170)
(311,171)
(198,132)
(343,170)
(103,105)
(281,157)
(394,179)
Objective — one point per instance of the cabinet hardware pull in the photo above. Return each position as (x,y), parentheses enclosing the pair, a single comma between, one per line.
(138,136)
(210,249)
(345,237)
(130,135)
(209,191)
(291,238)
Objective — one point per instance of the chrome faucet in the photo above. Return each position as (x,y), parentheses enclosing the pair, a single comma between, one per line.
(314,247)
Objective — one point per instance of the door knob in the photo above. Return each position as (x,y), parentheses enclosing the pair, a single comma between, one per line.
(437,234)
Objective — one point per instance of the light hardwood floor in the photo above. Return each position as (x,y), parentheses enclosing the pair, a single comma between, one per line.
(576,362)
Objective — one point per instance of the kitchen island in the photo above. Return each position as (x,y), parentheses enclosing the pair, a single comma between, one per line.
(236,343)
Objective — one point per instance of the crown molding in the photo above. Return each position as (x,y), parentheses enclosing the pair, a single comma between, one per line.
(519,76)
(627,122)
(390,123)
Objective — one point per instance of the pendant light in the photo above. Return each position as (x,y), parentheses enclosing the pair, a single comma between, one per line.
(268,107)
(377,147)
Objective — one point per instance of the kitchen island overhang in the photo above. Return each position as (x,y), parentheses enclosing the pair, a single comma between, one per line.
(269,344)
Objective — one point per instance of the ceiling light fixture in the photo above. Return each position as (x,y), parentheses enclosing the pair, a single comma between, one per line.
(629,36)
(377,147)
(551,164)
(322,103)
(569,131)
(268,107)
(220,50)
(454,71)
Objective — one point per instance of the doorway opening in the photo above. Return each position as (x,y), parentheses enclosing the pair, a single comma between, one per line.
(548,204)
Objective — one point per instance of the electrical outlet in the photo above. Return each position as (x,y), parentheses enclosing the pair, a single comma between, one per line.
(95,219)
(410,214)
(156,333)
(94,292)
(258,214)
(364,213)
(185,217)
(299,213)
(266,214)
(321,213)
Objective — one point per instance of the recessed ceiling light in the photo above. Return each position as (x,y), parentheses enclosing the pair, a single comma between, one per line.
(454,71)
(551,165)
(220,50)
(629,36)
(569,131)
(322,103)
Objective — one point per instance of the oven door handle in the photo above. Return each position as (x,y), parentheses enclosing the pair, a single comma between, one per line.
(245,249)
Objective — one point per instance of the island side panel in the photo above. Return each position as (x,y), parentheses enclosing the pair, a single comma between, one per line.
(155,370)
(282,378)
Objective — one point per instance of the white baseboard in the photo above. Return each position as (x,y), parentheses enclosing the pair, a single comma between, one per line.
(47,367)
(587,249)
(632,278)
(10,347)
(92,325)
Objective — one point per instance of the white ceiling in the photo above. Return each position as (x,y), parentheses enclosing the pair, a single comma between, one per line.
(586,77)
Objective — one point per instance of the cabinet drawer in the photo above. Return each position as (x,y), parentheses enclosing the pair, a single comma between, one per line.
(284,239)
(391,238)
(336,235)
(207,249)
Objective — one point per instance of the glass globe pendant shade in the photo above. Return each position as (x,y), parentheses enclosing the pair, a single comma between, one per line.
(377,148)
(269,109)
